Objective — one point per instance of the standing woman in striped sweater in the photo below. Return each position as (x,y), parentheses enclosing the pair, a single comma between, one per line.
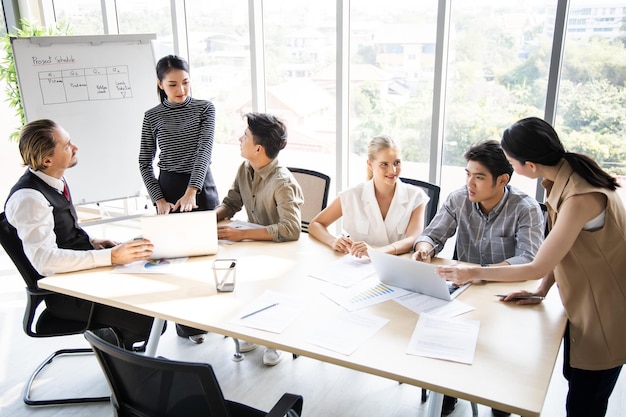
(182,128)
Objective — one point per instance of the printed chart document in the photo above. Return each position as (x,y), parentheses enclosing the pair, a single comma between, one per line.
(363,294)
(152,266)
(420,303)
(344,332)
(345,271)
(272,312)
(444,338)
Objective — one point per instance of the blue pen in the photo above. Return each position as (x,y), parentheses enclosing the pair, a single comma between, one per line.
(258,311)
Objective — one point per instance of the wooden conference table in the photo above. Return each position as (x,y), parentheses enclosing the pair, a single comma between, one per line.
(515,354)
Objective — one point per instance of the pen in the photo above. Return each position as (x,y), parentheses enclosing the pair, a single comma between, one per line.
(258,311)
(523,297)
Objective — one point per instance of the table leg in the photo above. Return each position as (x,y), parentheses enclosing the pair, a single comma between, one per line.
(155,335)
(435,403)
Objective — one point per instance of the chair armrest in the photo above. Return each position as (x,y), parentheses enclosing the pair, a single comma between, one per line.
(286,403)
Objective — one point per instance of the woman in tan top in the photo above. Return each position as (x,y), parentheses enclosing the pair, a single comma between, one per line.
(585,253)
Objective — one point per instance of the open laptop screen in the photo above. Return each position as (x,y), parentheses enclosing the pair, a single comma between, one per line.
(178,235)
(412,275)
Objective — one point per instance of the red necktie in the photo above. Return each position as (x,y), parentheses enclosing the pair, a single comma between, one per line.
(66,191)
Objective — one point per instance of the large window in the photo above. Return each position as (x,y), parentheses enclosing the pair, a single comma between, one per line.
(219,57)
(592,96)
(147,16)
(499,57)
(84,16)
(392,46)
(300,62)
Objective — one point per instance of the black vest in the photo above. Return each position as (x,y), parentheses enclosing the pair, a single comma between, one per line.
(69,235)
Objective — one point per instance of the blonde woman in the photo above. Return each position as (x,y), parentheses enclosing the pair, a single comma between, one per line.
(382,213)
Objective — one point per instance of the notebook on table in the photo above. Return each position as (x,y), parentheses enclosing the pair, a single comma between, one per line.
(178,235)
(413,276)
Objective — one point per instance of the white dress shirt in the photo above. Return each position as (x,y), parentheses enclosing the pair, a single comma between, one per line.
(363,220)
(31,214)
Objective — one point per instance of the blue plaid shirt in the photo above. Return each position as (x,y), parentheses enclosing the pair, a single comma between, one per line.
(511,232)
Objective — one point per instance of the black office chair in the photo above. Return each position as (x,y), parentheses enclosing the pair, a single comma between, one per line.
(315,187)
(148,386)
(41,324)
(432,191)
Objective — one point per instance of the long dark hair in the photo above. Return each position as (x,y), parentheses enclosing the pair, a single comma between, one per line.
(535,140)
(165,65)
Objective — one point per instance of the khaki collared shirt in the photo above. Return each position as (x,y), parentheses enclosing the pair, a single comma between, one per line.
(272,197)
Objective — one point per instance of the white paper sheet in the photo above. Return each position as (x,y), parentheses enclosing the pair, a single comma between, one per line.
(345,271)
(284,309)
(420,303)
(363,294)
(344,332)
(451,339)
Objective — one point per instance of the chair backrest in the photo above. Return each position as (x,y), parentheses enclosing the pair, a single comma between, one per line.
(148,386)
(12,244)
(315,187)
(432,191)
(35,323)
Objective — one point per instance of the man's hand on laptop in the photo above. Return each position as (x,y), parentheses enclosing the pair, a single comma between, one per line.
(135,250)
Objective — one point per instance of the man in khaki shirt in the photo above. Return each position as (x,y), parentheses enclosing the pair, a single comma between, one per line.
(271,195)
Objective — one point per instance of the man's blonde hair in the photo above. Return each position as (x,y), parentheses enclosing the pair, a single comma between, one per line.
(37,142)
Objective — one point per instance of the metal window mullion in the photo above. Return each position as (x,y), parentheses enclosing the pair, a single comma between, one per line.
(179,28)
(44,12)
(257,55)
(12,14)
(110,21)
(342,96)
(554,73)
(439,91)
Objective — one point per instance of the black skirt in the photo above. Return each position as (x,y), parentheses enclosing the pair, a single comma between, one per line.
(173,186)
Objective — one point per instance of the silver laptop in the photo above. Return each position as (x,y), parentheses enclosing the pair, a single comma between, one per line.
(178,235)
(412,275)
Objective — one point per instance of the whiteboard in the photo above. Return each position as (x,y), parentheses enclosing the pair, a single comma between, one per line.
(97,88)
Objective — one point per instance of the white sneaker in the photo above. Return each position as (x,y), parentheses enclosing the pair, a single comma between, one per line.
(246,346)
(197,338)
(272,356)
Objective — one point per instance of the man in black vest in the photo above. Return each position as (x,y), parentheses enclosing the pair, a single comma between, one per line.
(40,208)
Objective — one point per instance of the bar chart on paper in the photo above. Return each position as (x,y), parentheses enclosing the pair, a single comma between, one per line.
(377,290)
(364,294)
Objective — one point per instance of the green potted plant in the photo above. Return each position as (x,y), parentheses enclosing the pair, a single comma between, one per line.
(7,65)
